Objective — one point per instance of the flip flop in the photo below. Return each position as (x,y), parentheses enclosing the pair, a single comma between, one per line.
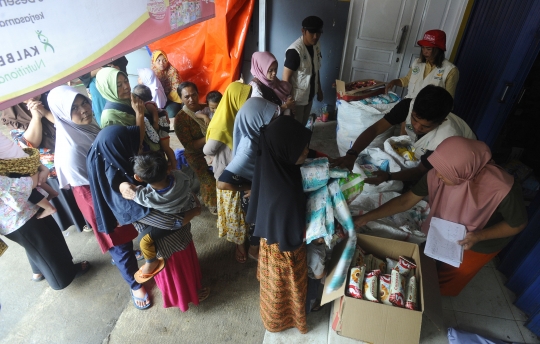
(239,256)
(203,294)
(141,278)
(138,255)
(135,299)
(80,270)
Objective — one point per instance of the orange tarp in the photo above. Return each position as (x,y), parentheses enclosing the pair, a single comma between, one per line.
(210,53)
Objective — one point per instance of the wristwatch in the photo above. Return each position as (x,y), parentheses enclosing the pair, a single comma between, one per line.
(352,152)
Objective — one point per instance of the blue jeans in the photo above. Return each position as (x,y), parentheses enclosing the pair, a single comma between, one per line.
(126,262)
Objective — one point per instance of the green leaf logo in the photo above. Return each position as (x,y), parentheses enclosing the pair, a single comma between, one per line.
(43,39)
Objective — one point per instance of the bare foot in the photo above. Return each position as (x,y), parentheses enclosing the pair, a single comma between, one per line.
(141,293)
(46,212)
(240,253)
(253,252)
(148,268)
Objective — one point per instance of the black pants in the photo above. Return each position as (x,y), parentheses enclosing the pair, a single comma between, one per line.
(47,251)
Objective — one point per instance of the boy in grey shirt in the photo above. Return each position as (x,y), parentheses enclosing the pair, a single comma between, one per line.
(167,191)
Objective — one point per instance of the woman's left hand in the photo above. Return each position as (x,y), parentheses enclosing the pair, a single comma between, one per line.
(471,238)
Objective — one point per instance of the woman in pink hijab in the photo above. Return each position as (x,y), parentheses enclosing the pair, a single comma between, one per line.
(465,187)
(265,83)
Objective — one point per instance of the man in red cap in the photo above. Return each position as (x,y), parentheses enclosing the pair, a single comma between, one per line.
(431,68)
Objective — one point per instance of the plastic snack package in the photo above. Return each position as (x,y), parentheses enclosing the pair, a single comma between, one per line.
(356,281)
(315,174)
(394,97)
(316,214)
(377,264)
(371,290)
(411,294)
(338,172)
(384,289)
(390,265)
(404,266)
(351,186)
(397,285)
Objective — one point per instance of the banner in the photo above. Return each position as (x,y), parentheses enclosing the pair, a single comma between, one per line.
(49,42)
(210,54)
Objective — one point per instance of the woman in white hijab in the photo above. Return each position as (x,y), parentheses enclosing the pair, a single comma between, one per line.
(148,78)
(76,130)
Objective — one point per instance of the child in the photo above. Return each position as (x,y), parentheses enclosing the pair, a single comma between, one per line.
(158,119)
(167,191)
(213,98)
(17,163)
(316,256)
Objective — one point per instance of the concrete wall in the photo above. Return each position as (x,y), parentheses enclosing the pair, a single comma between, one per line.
(284,27)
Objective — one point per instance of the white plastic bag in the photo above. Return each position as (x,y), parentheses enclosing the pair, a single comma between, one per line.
(404,226)
(377,156)
(316,214)
(315,174)
(404,140)
(354,117)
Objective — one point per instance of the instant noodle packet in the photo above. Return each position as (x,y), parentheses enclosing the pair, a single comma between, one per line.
(411,294)
(390,265)
(397,286)
(384,289)
(370,285)
(356,282)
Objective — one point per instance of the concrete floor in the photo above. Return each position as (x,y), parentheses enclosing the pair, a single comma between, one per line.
(97,308)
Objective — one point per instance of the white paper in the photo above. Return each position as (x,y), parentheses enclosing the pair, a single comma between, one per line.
(442,241)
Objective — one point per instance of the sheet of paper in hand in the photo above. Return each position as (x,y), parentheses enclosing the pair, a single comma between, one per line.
(442,241)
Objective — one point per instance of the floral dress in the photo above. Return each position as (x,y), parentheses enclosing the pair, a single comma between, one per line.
(188,131)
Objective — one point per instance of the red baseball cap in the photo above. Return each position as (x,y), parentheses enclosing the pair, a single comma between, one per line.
(434,38)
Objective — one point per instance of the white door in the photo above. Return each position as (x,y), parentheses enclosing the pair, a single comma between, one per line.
(381,35)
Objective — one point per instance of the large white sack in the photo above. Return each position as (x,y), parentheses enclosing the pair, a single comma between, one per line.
(404,226)
(401,160)
(354,118)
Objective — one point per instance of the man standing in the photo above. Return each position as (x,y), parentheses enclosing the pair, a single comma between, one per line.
(301,68)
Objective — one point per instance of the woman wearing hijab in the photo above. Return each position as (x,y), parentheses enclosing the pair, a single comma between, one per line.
(32,126)
(114,87)
(265,83)
(148,77)
(465,187)
(278,207)
(76,132)
(218,147)
(44,244)
(237,176)
(191,132)
(170,80)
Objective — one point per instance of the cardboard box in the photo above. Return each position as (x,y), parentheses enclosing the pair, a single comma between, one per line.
(378,323)
(360,93)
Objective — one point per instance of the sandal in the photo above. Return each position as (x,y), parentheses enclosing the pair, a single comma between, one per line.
(239,256)
(138,256)
(81,270)
(203,294)
(135,299)
(142,277)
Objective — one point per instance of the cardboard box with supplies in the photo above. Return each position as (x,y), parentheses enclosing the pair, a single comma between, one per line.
(353,91)
(378,323)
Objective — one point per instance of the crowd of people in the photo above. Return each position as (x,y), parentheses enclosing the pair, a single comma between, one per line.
(110,167)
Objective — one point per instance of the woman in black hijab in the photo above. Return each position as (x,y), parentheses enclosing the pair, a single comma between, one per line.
(278,206)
